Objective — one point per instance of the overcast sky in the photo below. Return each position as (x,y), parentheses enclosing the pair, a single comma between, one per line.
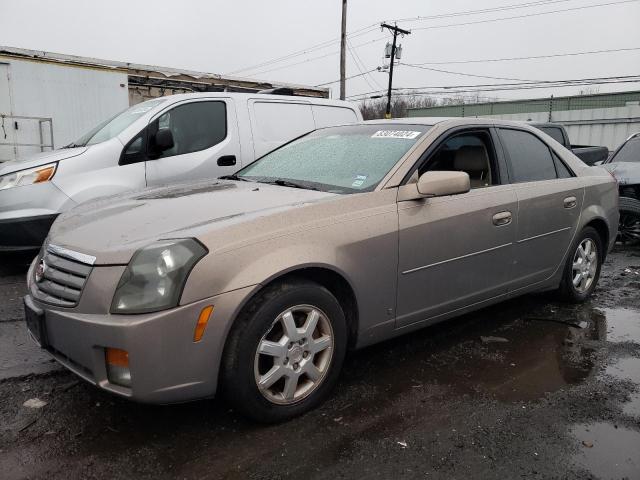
(225,37)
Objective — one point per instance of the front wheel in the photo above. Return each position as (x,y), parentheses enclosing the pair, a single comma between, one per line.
(285,353)
(582,269)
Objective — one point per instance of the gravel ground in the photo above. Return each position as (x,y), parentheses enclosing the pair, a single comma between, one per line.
(528,389)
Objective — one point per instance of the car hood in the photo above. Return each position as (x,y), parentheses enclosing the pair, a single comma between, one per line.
(40,159)
(113,228)
(626,173)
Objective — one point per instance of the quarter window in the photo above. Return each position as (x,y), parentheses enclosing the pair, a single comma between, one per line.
(195,126)
(530,157)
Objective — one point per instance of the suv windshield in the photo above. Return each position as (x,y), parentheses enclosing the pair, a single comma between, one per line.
(113,126)
(629,152)
(348,159)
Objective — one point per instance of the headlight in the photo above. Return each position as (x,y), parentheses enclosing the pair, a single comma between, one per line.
(28,177)
(156,275)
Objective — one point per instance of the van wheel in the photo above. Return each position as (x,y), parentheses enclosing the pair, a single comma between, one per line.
(285,352)
(629,226)
(582,269)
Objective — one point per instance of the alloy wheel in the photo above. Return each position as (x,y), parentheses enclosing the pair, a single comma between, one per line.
(585,265)
(294,356)
(629,227)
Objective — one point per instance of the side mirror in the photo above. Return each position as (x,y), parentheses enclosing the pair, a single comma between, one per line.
(436,184)
(163,140)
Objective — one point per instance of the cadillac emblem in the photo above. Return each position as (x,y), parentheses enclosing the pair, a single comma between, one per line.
(40,269)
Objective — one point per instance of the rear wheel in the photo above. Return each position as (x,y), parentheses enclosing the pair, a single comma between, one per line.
(582,269)
(629,226)
(285,353)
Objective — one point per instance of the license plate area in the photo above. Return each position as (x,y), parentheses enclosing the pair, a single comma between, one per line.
(35,323)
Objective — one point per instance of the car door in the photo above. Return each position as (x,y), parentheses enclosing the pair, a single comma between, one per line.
(205,137)
(549,204)
(456,251)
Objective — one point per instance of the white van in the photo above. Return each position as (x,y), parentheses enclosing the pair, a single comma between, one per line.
(165,140)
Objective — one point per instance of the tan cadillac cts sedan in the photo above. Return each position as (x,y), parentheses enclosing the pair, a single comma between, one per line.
(256,285)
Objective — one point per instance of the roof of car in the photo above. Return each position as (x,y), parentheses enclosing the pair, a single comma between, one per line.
(260,96)
(453,120)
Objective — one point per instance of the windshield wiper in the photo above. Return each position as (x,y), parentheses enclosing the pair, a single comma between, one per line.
(73,145)
(233,177)
(288,183)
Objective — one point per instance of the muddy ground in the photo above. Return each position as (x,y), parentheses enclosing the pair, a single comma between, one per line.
(528,389)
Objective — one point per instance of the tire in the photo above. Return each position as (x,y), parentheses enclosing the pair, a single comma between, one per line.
(589,272)
(629,227)
(290,354)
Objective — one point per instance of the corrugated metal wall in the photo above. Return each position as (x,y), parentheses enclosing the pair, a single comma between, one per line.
(76,98)
(602,119)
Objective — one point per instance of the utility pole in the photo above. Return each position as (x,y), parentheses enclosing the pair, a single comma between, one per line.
(396,30)
(343,53)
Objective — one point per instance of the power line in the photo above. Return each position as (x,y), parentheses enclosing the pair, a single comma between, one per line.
(515,17)
(312,59)
(362,67)
(372,27)
(310,49)
(554,55)
(533,57)
(348,78)
(465,74)
(507,86)
(420,18)
(505,89)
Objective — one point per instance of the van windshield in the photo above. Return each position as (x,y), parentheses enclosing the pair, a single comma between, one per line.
(114,125)
(346,159)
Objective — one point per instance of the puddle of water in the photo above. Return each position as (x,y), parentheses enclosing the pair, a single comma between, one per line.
(623,325)
(632,407)
(517,352)
(607,451)
(625,369)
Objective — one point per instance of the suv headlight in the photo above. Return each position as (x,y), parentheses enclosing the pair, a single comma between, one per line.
(156,275)
(28,177)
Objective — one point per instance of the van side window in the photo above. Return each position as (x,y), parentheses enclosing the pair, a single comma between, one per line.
(275,123)
(470,152)
(530,158)
(195,126)
(328,116)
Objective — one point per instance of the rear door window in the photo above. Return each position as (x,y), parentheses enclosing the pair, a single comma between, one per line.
(529,157)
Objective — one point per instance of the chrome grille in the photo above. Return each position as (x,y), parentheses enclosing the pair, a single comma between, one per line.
(63,278)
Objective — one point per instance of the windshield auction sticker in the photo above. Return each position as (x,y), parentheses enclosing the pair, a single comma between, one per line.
(406,134)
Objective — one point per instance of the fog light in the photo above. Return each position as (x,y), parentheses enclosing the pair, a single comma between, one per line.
(118,371)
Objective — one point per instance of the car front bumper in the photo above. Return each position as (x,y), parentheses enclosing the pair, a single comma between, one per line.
(26,215)
(17,234)
(166,365)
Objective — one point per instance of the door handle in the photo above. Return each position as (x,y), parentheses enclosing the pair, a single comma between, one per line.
(570,202)
(227,161)
(502,218)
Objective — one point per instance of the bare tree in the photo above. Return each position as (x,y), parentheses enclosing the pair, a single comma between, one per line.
(372,109)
